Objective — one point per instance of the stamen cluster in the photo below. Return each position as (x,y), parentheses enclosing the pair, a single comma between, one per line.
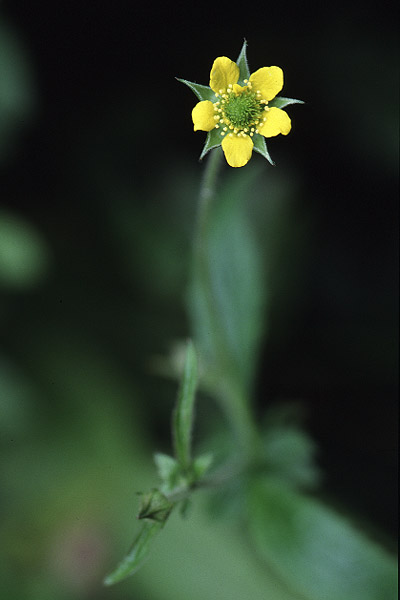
(240,112)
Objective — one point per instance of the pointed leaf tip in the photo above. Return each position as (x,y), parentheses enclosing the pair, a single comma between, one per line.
(137,554)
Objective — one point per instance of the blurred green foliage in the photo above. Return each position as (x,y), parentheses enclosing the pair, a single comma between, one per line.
(315,550)
(24,254)
(17,90)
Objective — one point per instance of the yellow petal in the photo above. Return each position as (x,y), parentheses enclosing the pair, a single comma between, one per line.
(277,122)
(237,149)
(223,72)
(203,116)
(269,80)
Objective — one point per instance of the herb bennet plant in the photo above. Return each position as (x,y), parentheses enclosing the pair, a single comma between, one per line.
(316,552)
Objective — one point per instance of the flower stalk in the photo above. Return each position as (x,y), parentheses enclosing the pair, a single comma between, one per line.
(231,398)
(208,190)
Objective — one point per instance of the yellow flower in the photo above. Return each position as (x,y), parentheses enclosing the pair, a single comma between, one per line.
(240,110)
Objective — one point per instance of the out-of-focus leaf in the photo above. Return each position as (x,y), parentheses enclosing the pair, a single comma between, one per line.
(289,454)
(183,414)
(17,95)
(201,558)
(226,298)
(201,465)
(288,450)
(314,550)
(24,256)
(17,396)
(137,554)
(167,466)
(170,471)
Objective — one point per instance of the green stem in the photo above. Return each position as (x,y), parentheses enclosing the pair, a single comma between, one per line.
(233,402)
(207,191)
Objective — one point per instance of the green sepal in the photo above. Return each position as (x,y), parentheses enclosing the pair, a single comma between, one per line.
(155,506)
(281,102)
(244,72)
(213,140)
(203,92)
(136,555)
(260,146)
(184,410)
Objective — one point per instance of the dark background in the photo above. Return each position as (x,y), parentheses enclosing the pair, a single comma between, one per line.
(109,114)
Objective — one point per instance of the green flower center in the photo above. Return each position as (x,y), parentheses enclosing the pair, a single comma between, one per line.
(243,110)
(240,112)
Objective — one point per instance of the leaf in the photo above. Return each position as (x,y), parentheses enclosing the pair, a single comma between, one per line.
(18,97)
(25,258)
(154,509)
(260,146)
(201,465)
(315,551)
(241,62)
(183,414)
(289,456)
(170,472)
(167,466)
(137,554)
(203,92)
(288,450)
(281,102)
